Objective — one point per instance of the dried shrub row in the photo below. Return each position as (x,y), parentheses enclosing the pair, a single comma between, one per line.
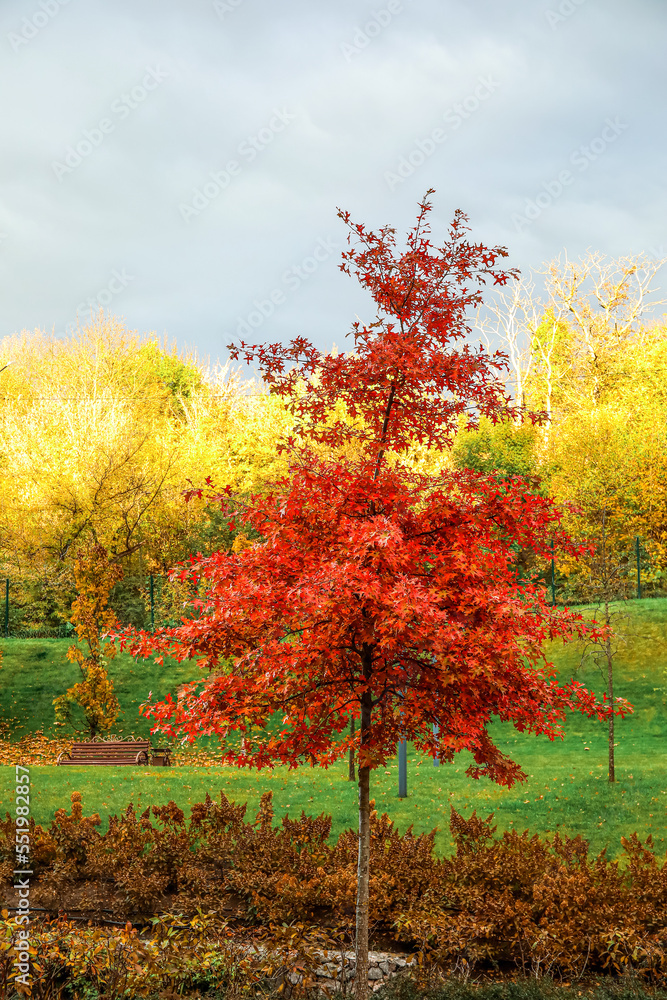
(541,906)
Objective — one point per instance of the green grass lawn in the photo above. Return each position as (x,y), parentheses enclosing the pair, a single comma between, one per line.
(567,787)
(35,671)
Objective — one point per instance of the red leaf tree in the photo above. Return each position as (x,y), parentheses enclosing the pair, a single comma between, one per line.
(398,594)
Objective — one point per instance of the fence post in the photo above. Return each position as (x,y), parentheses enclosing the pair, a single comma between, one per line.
(639,583)
(152,604)
(402,767)
(402,770)
(7,608)
(553,577)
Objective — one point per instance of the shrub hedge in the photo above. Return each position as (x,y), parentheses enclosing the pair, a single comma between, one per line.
(539,907)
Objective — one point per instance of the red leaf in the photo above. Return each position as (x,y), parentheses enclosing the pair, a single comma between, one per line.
(379,593)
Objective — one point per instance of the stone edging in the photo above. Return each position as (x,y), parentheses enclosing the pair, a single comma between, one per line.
(382,966)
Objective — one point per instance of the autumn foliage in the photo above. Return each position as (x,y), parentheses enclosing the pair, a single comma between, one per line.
(379,593)
(533,905)
(396,590)
(94,693)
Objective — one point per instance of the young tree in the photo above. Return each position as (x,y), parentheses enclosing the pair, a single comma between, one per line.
(604,466)
(93,694)
(397,592)
(595,468)
(609,586)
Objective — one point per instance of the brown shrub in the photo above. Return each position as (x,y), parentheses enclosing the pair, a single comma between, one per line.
(541,906)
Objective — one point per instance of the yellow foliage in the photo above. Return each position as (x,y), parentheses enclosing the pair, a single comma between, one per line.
(240,543)
(103,432)
(94,694)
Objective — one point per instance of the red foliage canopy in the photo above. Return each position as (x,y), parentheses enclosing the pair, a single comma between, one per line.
(377,592)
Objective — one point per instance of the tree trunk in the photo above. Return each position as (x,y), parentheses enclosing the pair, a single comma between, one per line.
(610,692)
(361,944)
(606,580)
(351,769)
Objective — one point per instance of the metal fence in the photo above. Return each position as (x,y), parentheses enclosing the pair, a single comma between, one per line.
(647,585)
(153,589)
(66,629)
(149,596)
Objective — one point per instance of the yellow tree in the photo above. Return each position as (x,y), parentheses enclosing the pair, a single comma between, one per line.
(647,466)
(77,432)
(612,455)
(99,437)
(598,471)
(604,302)
(592,467)
(571,348)
(100,434)
(94,694)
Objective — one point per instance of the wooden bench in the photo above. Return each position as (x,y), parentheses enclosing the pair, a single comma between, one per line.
(135,753)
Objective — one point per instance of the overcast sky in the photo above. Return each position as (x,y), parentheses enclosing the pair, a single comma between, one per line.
(180,162)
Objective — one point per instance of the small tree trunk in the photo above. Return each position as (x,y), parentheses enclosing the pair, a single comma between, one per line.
(610,691)
(351,769)
(606,580)
(361,943)
(91,715)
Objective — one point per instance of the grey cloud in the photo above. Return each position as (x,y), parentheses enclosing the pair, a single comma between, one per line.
(563,68)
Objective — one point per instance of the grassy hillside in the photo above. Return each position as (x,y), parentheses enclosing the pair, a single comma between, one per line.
(567,788)
(35,671)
